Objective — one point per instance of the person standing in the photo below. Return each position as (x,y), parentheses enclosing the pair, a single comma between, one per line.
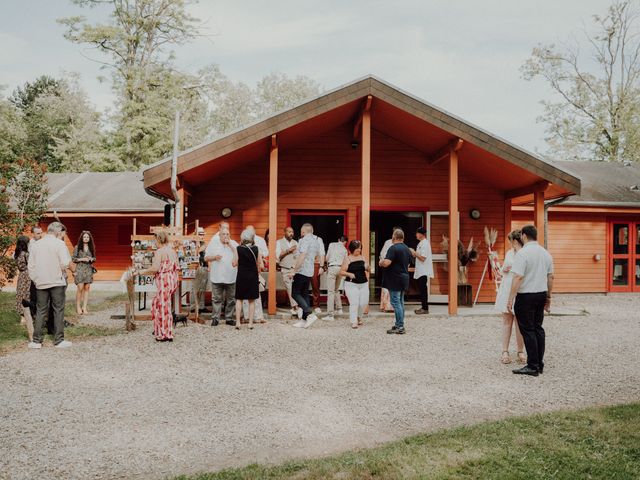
(308,250)
(423,269)
(356,284)
(223,275)
(47,265)
(248,259)
(165,269)
(286,254)
(36,234)
(531,289)
(318,270)
(396,277)
(502,297)
(385,300)
(263,248)
(201,280)
(23,285)
(336,253)
(84,255)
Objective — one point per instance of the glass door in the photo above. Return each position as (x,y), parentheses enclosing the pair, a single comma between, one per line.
(624,256)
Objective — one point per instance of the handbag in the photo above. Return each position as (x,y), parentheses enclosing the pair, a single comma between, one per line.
(94,269)
(262,283)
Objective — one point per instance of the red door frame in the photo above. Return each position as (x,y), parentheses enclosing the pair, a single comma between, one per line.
(631,256)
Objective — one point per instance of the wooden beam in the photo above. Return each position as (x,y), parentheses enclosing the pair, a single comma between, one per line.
(365,108)
(507,224)
(538,215)
(528,190)
(366,182)
(443,152)
(273,223)
(454,234)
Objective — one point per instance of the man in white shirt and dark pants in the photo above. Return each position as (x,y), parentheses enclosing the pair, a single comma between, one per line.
(48,262)
(423,269)
(222,274)
(531,289)
(336,254)
(286,254)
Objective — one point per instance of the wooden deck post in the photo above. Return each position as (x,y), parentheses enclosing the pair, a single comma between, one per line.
(454,234)
(366,181)
(507,224)
(538,214)
(273,223)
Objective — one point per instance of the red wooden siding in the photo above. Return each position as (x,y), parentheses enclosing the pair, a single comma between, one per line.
(573,240)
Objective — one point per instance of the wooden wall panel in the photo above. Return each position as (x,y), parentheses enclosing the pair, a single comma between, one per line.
(573,240)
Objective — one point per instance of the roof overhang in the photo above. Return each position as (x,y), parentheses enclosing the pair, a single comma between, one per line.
(395,113)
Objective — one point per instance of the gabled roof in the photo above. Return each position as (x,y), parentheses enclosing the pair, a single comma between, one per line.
(344,102)
(605,183)
(100,192)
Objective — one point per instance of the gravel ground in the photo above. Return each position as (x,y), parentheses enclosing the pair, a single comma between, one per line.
(128,407)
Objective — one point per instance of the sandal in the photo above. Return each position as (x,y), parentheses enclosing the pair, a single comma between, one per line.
(522,358)
(505,357)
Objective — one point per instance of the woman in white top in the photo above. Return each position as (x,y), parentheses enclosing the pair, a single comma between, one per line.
(503,297)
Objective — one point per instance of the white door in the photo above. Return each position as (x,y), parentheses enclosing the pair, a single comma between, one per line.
(438,225)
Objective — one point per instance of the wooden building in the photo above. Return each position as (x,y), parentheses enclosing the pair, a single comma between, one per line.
(106,205)
(358,160)
(594,237)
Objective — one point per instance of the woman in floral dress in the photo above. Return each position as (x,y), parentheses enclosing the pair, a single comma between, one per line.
(23,287)
(84,255)
(165,268)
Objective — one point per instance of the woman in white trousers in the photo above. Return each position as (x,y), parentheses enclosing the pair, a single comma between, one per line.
(355,269)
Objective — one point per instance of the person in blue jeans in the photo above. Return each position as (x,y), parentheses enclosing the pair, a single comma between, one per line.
(396,277)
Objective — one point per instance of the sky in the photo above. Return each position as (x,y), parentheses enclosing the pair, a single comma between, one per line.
(463,56)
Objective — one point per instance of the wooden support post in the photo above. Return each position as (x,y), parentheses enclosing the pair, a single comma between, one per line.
(454,234)
(273,223)
(134,226)
(507,224)
(366,182)
(538,214)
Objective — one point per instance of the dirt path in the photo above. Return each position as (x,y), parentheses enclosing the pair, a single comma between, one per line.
(127,407)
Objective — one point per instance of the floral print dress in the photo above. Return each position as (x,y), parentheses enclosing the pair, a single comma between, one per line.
(166,281)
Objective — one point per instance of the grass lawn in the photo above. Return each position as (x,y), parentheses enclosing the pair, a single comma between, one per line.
(12,334)
(596,443)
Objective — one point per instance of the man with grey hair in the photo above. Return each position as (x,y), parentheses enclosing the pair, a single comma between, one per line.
(308,249)
(223,278)
(48,262)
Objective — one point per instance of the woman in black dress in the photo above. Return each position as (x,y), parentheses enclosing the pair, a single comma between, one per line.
(247,258)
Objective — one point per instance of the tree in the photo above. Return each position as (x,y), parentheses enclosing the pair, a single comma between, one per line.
(134,40)
(13,135)
(23,201)
(276,91)
(597,116)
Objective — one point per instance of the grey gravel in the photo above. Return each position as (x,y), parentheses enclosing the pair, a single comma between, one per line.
(128,407)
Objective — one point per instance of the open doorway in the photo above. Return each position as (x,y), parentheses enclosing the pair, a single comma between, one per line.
(328,225)
(381,228)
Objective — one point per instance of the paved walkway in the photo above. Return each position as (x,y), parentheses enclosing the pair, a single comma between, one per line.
(128,407)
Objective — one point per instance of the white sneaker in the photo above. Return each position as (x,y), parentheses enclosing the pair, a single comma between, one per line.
(310,320)
(317,311)
(329,318)
(300,324)
(63,344)
(294,312)
(34,345)
(340,312)
(299,313)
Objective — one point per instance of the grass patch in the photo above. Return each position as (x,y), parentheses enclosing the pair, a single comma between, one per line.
(596,443)
(13,335)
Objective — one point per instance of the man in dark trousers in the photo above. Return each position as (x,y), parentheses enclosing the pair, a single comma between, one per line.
(531,290)
(396,277)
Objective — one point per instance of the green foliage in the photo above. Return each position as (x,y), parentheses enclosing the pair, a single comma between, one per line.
(23,201)
(596,443)
(597,116)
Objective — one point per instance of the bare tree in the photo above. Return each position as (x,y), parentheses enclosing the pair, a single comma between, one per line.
(597,116)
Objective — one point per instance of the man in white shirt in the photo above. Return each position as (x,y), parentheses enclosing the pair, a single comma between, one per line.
(318,270)
(286,254)
(336,254)
(36,233)
(308,250)
(48,262)
(531,288)
(222,274)
(423,269)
